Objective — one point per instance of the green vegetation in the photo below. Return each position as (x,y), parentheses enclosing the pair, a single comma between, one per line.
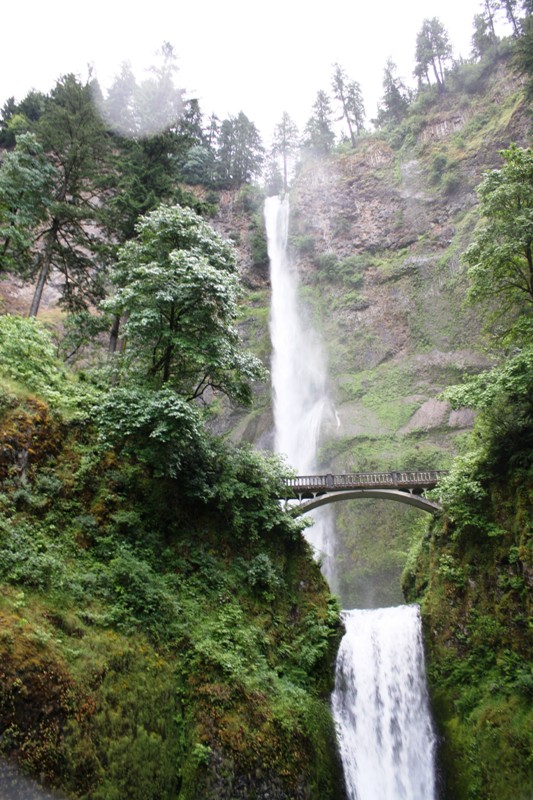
(501,256)
(471,572)
(161,636)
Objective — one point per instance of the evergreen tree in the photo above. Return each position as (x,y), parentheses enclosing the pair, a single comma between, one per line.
(119,105)
(27,181)
(510,7)
(348,94)
(149,107)
(482,38)
(20,117)
(395,100)
(433,51)
(62,236)
(318,135)
(490,8)
(285,144)
(240,151)
(523,54)
(273,177)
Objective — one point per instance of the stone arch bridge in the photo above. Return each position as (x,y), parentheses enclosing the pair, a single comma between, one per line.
(407,487)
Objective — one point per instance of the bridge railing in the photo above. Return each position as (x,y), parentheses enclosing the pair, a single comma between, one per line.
(360,480)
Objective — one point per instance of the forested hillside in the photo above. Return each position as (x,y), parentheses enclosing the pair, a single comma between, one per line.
(165,630)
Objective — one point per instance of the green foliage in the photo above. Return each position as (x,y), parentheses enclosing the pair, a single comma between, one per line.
(158,427)
(177,289)
(263,576)
(26,183)
(512,380)
(445,173)
(248,488)
(500,259)
(27,356)
(433,50)
(172,619)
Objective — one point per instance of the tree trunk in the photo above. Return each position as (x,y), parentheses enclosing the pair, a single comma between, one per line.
(39,288)
(490,16)
(436,73)
(510,16)
(113,336)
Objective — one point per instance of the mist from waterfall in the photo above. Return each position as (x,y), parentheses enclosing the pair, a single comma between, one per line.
(299,376)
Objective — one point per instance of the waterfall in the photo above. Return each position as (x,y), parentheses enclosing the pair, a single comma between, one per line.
(299,378)
(381,709)
(380,701)
(298,369)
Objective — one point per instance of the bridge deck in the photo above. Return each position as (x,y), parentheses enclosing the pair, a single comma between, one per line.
(412,481)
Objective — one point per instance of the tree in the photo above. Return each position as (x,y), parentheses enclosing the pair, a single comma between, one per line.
(511,8)
(433,50)
(70,242)
(395,100)
(523,54)
(490,7)
(240,151)
(59,232)
(27,179)
(483,37)
(285,144)
(118,107)
(199,165)
(20,117)
(500,259)
(148,107)
(177,289)
(318,135)
(349,95)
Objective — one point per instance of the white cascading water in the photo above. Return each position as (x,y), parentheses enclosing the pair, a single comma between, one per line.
(381,708)
(299,384)
(380,701)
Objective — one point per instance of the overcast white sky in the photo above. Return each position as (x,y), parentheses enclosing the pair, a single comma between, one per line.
(261,58)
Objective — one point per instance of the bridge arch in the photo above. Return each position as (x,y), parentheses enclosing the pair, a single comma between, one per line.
(416,500)
(406,486)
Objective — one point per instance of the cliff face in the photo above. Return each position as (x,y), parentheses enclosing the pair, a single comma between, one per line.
(376,234)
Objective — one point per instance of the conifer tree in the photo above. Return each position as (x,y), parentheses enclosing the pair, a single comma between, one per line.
(348,94)
(240,151)
(395,100)
(433,51)
(285,144)
(319,136)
